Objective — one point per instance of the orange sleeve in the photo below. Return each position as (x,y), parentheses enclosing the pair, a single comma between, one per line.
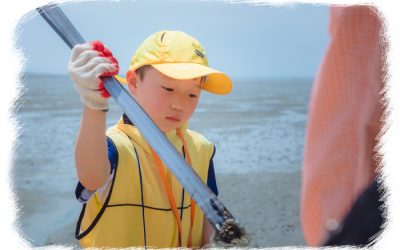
(344,121)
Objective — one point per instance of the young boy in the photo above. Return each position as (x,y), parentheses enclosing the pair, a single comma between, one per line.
(131,199)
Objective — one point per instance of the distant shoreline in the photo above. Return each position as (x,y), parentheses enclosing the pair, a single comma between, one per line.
(234,78)
(37,74)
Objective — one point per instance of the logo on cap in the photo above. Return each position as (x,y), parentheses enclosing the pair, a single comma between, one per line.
(199,53)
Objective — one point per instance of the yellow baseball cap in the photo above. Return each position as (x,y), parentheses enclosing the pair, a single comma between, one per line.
(179,56)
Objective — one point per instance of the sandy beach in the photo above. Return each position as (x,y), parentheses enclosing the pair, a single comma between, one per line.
(266,204)
(258,131)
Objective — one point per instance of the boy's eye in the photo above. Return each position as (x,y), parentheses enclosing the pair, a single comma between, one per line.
(167,89)
(192,96)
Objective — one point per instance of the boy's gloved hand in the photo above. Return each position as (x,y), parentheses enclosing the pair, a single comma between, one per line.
(88,63)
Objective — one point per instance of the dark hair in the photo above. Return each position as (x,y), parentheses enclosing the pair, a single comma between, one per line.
(142,70)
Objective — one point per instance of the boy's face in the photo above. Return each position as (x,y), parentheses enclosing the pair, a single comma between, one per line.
(169,102)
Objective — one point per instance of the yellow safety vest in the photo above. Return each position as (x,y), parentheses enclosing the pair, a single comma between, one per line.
(137,211)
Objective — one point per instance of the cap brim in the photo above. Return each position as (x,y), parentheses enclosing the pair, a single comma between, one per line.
(217,82)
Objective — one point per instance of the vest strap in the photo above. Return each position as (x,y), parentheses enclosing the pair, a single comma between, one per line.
(171,198)
(192,203)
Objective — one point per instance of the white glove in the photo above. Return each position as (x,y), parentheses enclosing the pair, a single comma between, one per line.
(88,63)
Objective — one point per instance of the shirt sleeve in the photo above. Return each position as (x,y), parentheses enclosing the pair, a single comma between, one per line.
(211,180)
(81,193)
(112,154)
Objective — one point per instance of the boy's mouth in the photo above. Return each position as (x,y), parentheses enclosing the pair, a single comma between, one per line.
(173,119)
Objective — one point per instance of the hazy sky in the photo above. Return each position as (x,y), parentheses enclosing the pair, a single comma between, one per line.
(242,40)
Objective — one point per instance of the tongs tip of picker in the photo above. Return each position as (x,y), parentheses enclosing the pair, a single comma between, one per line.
(228,232)
(232,235)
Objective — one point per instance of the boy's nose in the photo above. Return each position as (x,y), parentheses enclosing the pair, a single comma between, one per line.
(177,104)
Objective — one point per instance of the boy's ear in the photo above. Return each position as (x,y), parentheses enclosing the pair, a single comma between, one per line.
(131,78)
